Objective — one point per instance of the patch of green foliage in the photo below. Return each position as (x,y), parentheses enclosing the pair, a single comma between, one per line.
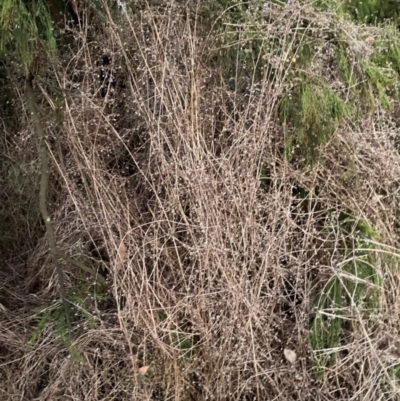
(380,78)
(365,11)
(351,293)
(184,344)
(387,53)
(54,314)
(242,56)
(373,11)
(26,27)
(311,109)
(327,325)
(180,341)
(375,79)
(393,380)
(311,113)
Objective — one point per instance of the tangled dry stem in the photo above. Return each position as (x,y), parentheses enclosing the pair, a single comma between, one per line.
(159,182)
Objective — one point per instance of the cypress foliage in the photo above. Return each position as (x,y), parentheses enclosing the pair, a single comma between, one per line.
(25,27)
(374,11)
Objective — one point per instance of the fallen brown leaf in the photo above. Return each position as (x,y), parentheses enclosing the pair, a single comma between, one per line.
(143,370)
(122,252)
(290,355)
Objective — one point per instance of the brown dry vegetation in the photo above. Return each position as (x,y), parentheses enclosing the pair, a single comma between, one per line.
(211,271)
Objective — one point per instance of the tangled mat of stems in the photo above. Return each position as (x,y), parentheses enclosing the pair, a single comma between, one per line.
(219,250)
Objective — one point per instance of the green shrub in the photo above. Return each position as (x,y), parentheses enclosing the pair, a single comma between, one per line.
(351,294)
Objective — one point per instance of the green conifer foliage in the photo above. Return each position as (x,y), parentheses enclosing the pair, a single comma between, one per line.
(25,27)
(374,11)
